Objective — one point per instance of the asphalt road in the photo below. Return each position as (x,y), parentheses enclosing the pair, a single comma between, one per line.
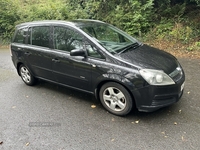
(51,117)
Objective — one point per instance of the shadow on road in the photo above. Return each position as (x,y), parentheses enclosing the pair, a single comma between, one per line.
(89,98)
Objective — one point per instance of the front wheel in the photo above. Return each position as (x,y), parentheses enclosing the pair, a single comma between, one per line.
(26,76)
(116,99)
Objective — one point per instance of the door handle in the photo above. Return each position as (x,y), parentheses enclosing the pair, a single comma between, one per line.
(93,65)
(56,60)
(27,53)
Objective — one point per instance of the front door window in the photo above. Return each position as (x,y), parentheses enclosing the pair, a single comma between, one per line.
(66,39)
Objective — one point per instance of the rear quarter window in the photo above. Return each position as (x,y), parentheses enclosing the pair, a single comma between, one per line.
(20,36)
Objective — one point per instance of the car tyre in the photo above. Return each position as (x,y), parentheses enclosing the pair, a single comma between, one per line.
(26,75)
(116,99)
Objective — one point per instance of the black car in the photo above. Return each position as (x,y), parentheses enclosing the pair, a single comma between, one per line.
(98,58)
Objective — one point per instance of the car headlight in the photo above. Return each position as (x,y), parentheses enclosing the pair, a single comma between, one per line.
(156,77)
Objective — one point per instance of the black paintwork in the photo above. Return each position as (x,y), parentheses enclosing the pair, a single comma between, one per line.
(89,74)
(150,58)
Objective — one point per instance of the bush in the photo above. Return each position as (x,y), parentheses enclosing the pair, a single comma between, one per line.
(8,18)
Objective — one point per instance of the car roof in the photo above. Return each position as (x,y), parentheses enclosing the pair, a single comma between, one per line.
(77,22)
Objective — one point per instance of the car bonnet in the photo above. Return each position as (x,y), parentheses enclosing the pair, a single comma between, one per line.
(148,57)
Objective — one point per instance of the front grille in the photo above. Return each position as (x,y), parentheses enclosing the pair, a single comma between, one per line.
(177,74)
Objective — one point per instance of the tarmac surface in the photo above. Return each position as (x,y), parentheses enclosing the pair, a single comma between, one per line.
(51,117)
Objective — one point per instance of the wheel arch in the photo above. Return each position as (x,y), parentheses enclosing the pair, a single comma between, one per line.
(18,65)
(100,84)
(21,63)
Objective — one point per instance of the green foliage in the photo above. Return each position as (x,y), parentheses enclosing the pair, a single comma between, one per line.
(133,16)
(8,18)
(158,19)
(197,1)
(194,46)
(178,22)
(197,44)
(180,32)
(41,10)
(161,30)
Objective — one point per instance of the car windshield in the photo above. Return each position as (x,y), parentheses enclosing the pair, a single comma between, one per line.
(112,39)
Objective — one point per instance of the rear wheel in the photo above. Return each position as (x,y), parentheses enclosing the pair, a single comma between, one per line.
(115,98)
(26,76)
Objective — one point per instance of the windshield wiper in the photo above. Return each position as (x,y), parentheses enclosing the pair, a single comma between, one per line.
(131,46)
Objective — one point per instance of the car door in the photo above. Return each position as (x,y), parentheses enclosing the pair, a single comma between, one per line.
(74,71)
(38,53)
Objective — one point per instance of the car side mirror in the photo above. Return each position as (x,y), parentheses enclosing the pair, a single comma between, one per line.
(77,52)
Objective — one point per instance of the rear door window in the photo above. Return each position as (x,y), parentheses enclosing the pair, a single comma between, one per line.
(39,36)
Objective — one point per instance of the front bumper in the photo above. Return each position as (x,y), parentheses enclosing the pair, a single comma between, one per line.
(152,98)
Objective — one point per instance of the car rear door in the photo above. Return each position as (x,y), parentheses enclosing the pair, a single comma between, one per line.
(37,52)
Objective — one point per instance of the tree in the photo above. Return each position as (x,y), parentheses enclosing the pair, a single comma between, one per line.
(8,18)
(133,16)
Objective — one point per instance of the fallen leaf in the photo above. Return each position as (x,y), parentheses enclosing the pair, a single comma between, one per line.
(175,123)
(137,121)
(27,144)
(182,138)
(163,132)
(1,142)
(93,106)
